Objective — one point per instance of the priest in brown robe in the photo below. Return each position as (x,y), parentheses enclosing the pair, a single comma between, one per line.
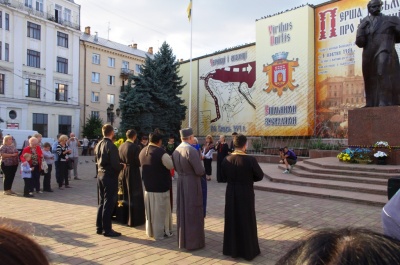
(133,205)
(240,230)
(189,201)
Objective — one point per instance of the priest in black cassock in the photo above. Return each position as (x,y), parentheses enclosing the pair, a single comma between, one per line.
(240,231)
(133,205)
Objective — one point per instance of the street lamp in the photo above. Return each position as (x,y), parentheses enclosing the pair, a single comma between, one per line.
(110,114)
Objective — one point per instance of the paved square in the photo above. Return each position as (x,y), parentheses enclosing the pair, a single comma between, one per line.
(63,223)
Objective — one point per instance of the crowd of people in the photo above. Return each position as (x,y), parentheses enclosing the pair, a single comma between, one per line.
(135,185)
(36,159)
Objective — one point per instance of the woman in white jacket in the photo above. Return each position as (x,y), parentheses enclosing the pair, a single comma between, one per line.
(207,155)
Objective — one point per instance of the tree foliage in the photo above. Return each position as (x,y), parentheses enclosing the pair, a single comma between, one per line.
(153,101)
(92,128)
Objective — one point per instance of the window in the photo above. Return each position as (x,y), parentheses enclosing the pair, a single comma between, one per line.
(28,3)
(137,68)
(32,88)
(39,5)
(40,123)
(95,114)
(67,15)
(62,65)
(95,96)
(7,52)
(111,62)
(125,64)
(1,48)
(34,30)
(62,39)
(12,114)
(33,59)
(111,80)
(1,19)
(64,124)
(61,92)
(57,13)
(110,98)
(2,82)
(96,58)
(7,22)
(95,77)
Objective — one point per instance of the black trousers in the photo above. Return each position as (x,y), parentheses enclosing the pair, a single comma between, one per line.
(47,178)
(108,189)
(207,166)
(36,178)
(62,173)
(9,175)
(28,186)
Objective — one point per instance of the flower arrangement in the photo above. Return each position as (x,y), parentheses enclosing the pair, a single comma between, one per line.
(355,155)
(119,142)
(380,154)
(382,144)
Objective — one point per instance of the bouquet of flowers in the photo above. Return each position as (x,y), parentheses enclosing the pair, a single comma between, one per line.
(380,154)
(119,142)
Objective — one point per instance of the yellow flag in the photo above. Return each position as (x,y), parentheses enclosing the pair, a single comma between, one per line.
(189,10)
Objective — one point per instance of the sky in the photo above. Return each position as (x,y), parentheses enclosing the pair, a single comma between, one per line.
(216,25)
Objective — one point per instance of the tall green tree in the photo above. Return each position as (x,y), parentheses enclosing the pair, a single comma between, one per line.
(153,100)
(92,128)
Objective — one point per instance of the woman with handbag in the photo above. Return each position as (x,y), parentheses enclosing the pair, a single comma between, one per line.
(35,162)
(9,163)
(62,165)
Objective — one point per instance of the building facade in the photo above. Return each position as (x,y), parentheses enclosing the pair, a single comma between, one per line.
(39,65)
(104,69)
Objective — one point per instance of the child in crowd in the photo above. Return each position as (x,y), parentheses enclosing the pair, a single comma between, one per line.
(26,174)
(49,158)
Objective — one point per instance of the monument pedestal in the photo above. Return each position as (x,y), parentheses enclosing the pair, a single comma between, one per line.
(370,125)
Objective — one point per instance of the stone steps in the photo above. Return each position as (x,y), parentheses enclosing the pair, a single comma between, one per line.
(331,179)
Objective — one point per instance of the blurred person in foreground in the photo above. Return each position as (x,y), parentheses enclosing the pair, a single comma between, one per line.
(18,249)
(240,230)
(189,201)
(107,159)
(345,246)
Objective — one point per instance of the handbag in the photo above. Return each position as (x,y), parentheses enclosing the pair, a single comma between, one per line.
(45,167)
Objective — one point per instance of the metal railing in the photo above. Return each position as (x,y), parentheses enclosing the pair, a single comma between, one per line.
(32,11)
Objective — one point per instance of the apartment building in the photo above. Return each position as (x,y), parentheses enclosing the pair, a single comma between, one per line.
(104,69)
(39,65)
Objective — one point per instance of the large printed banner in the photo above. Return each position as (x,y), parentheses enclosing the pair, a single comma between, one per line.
(227,93)
(285,74)
(338,73)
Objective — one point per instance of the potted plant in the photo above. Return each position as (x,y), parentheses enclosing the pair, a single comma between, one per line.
(381,157)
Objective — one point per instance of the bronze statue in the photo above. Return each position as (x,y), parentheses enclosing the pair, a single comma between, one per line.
(377,35)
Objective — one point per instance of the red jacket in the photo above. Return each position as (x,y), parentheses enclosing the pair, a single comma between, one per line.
(38,152)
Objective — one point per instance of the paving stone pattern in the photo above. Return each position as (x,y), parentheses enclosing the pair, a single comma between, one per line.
(63,223)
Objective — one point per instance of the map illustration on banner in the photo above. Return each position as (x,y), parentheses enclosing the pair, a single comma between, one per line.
(280,73)
(233,90)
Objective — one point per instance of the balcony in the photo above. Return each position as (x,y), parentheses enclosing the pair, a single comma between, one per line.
(126,72)
(20,5)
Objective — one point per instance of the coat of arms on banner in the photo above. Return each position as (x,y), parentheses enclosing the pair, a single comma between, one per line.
(280,73)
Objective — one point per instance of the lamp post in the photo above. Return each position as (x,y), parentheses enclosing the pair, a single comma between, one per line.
(110,113)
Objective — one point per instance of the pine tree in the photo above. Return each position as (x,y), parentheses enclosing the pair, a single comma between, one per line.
(92,128)
(154,102)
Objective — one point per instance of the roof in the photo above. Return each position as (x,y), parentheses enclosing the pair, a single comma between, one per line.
(114,45)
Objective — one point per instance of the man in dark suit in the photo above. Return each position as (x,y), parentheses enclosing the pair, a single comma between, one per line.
(109,166)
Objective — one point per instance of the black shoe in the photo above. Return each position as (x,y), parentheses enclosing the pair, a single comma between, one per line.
(28,196)
(112,233)
(77,178)
(48,190)
(99,231)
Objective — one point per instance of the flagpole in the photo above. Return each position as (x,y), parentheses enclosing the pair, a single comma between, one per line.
(190,74)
